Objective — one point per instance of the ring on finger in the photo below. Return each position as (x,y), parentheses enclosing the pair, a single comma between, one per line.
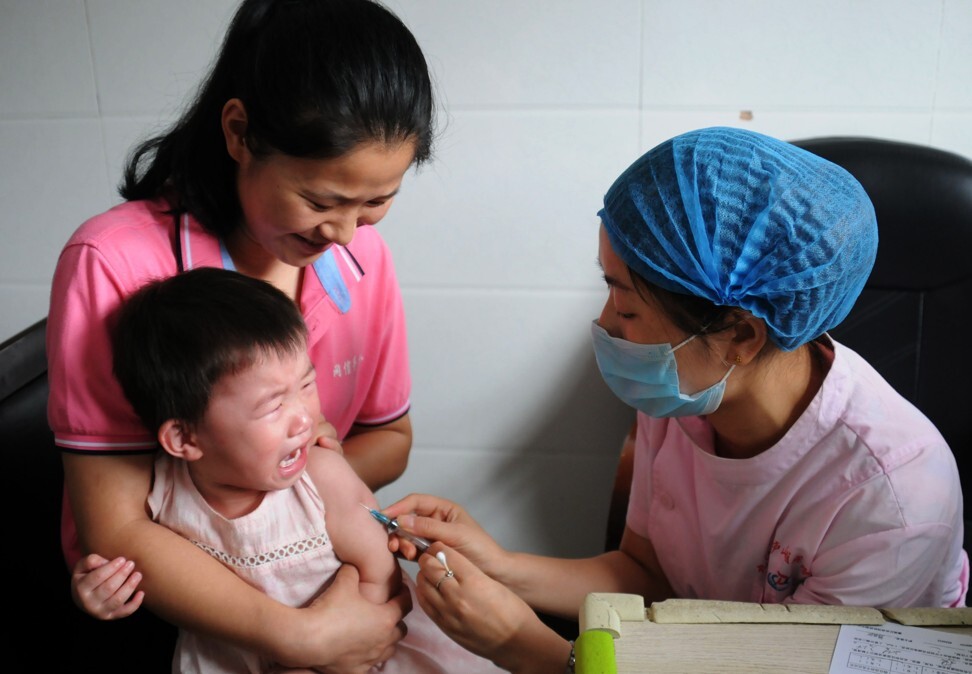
(448,574)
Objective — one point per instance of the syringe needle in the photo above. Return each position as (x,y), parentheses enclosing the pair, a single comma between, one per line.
(392,526)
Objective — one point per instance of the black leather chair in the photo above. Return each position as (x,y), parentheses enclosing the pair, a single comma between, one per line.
(37,587)
(913,321)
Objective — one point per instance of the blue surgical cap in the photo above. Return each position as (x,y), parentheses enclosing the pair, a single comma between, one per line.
(745,220)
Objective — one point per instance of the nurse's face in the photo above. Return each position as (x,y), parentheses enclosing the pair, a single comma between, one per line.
(295,208)
(637,317)
(627,314)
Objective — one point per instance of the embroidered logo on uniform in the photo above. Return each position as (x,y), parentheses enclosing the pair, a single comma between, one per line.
(783,569)
(778,581)
(347,368)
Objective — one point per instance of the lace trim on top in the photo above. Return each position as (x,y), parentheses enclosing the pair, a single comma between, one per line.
(268,557)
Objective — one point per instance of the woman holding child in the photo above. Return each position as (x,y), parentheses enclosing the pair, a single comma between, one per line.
(297,140)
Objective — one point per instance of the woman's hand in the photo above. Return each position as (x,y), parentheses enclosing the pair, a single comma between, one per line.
(365,634)
(438,519)
(486,618)
(327,435)
(106,590)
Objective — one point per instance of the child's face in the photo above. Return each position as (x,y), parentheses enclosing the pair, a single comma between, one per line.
(258,428)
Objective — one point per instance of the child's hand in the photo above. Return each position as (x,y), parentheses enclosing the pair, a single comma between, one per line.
(106,590)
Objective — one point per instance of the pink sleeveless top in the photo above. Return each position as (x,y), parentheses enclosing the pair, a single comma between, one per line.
(282,548)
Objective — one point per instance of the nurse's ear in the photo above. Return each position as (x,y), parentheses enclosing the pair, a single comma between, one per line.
(235,123)
(178,439)
(749,337)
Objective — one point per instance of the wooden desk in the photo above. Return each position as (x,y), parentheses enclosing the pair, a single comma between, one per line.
(746,648)
(648,648)
(732,637)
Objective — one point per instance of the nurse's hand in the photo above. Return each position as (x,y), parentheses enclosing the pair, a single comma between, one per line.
(438,519)
(486,618)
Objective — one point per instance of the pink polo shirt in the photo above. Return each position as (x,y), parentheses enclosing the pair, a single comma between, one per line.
(349,298)
(858,504)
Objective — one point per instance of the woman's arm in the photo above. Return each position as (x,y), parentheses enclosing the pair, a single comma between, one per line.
(186,586)
(379,454)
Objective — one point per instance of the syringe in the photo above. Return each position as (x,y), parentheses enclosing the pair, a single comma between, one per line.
(391,526)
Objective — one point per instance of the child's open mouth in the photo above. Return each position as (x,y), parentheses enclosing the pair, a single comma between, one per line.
(292,458)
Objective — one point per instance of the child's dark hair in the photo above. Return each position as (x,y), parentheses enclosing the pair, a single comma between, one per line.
(316,77)
(176,338)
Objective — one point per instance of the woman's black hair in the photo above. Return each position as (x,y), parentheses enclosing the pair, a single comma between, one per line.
(695,315)
(316,77)
(690,314)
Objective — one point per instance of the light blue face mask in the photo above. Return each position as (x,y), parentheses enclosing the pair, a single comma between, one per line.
(644,376)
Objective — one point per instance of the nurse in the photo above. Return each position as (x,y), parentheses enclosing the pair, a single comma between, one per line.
(772,463)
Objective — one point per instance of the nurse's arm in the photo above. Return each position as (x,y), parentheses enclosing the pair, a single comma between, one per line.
(559,586)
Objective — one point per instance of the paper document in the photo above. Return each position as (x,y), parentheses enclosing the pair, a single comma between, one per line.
(900,649)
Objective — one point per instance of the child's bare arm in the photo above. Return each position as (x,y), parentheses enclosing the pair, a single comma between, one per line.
(357,538)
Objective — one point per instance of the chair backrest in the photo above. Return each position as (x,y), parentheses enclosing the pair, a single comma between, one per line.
(33,463)
(34,488)
(913,320)
(34,483)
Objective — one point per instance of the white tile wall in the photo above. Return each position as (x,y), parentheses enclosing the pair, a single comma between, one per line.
(45,59)
(529,384)
(955,58)
(494,241)
(518,191)
(952,131)
(150,55)
(512,54)
(52,176)
(755,53)
(790,124)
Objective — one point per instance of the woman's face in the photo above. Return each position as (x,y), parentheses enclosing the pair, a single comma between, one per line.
(631,317)
(295,208)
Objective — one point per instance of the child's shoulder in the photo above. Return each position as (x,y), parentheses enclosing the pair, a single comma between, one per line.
(321,457)
(333,476)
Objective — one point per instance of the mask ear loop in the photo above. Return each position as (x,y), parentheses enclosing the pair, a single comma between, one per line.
(736,361)
(703,331)
(726,375)
(683,343)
